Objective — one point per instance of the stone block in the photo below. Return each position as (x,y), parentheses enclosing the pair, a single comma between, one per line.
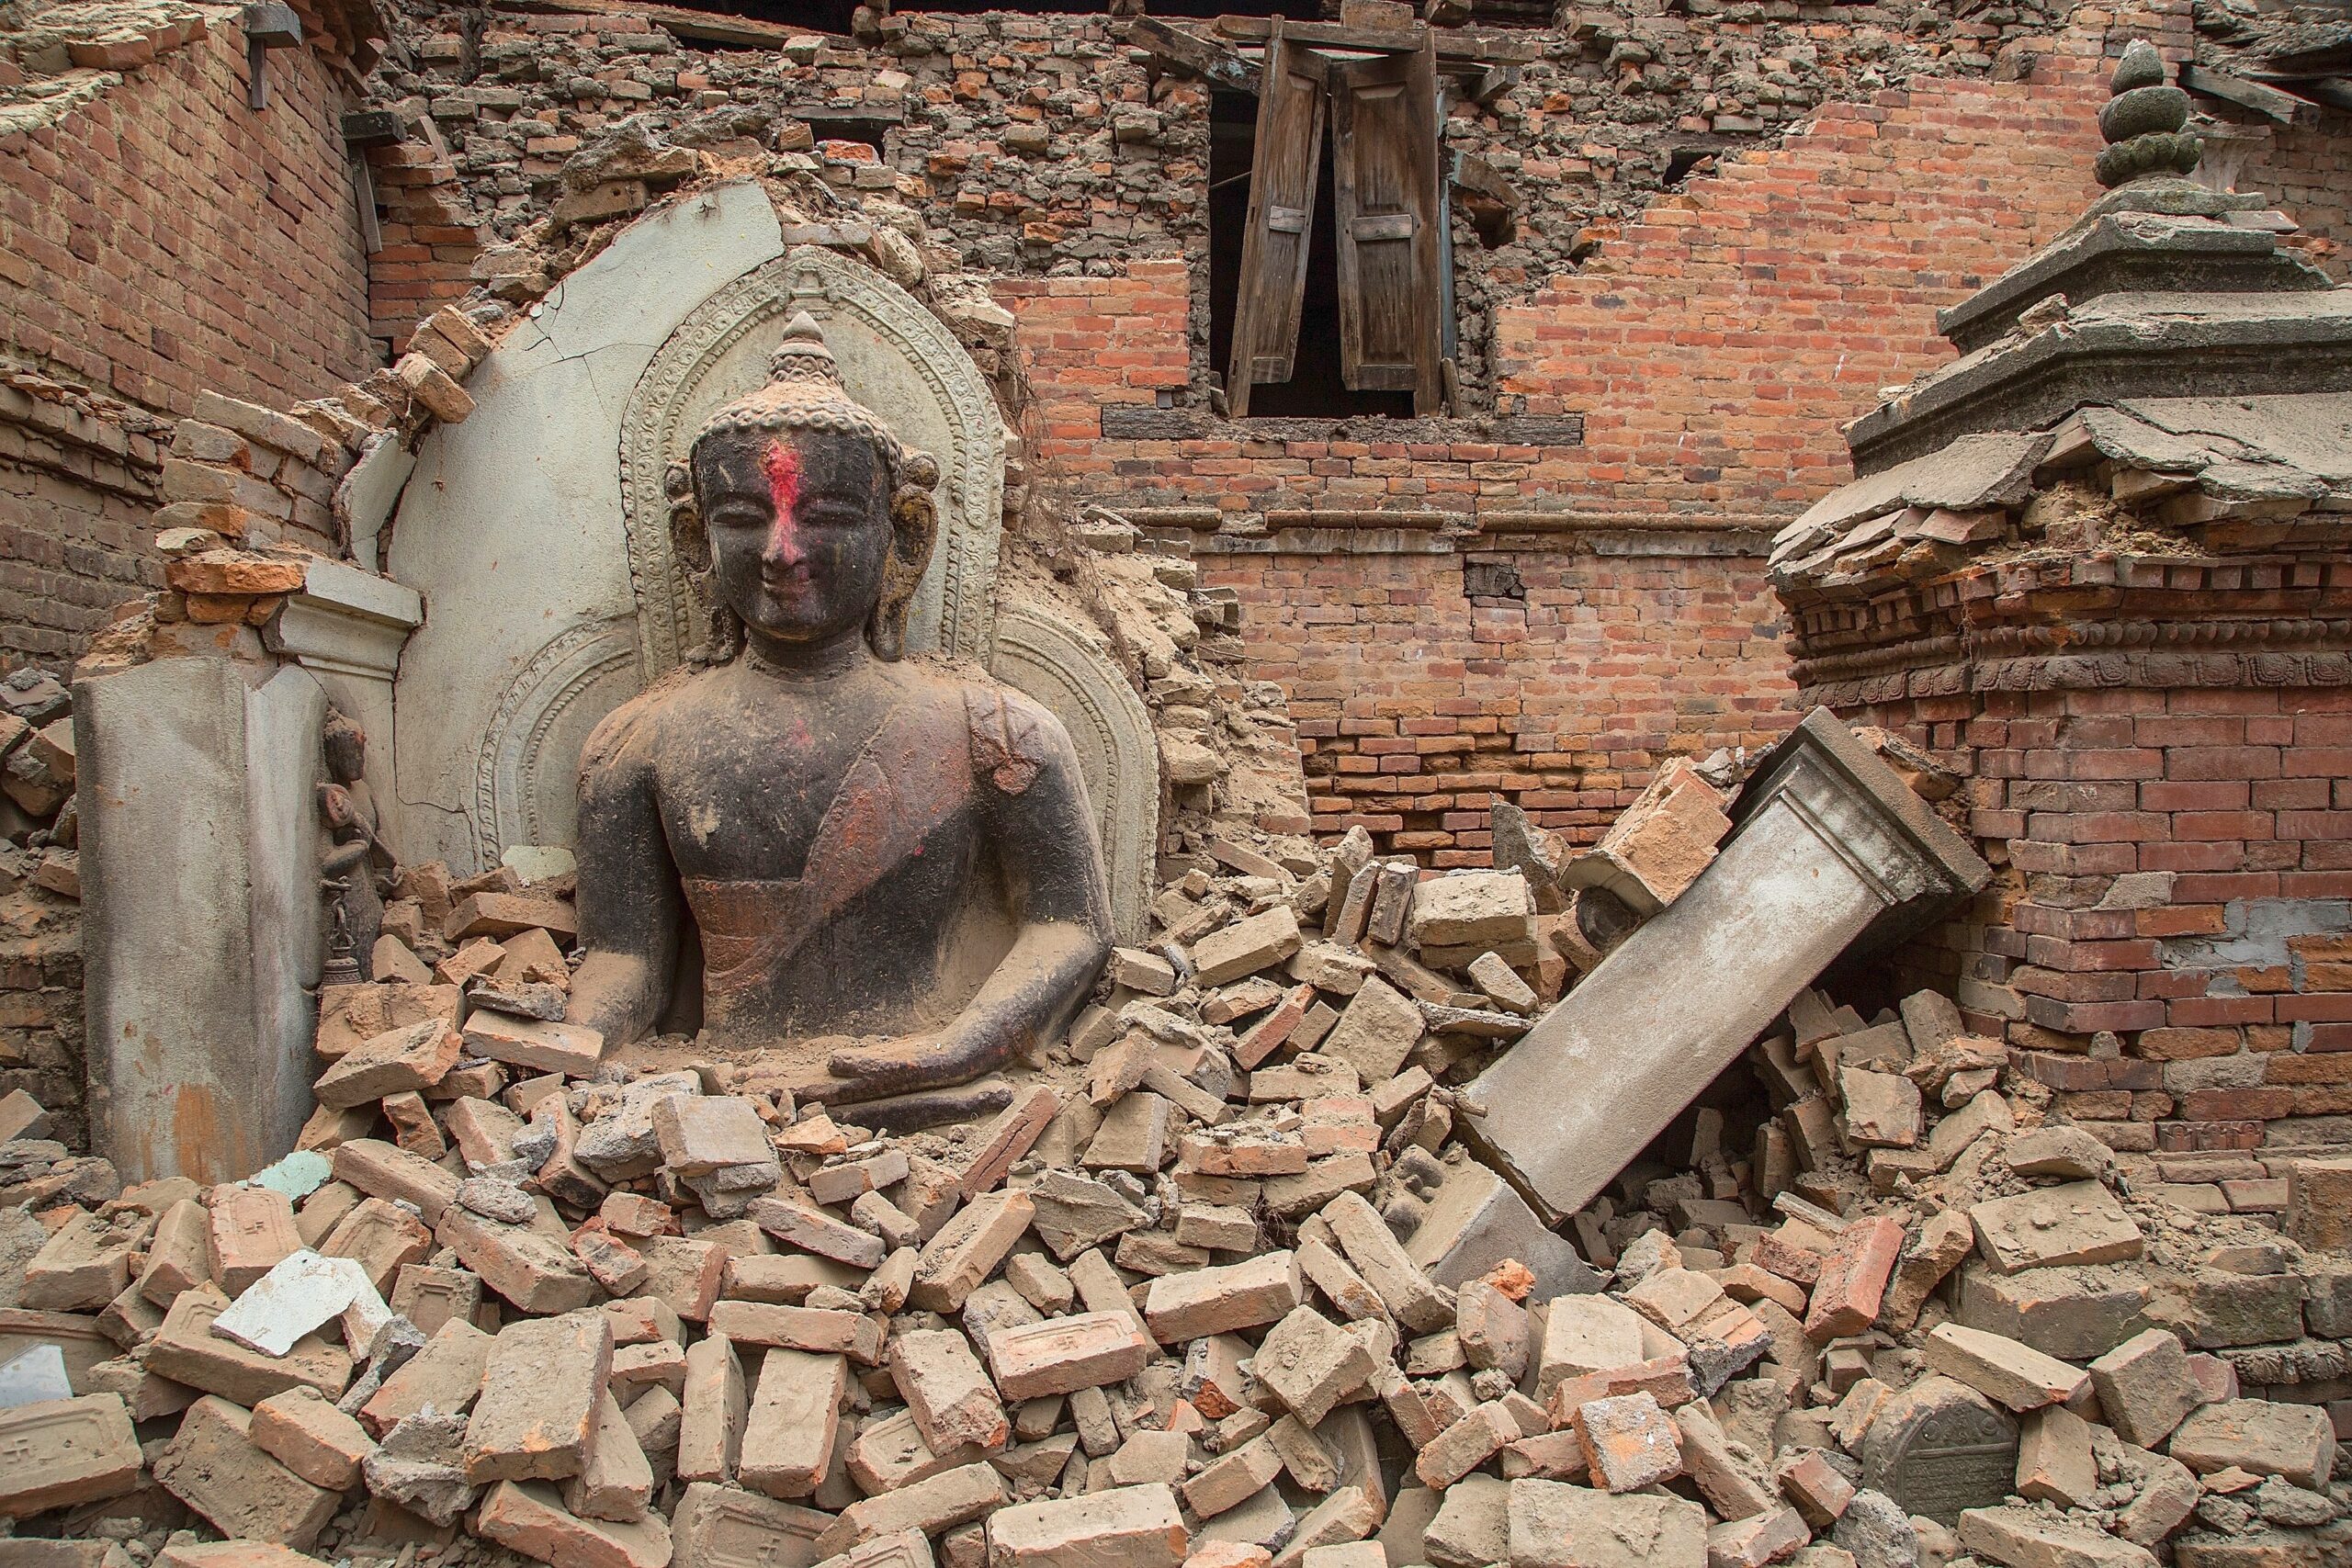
(309,1435)
(1754,1541)
(2079,1221)
(1465,1444)
(1260,942)
(946,1389)
(2001,1368)
(2073,1313)
(1127,1527)
(616,1482)
(1852,1287)
(1223,1299)
(2318,1203)
(212,1465)
(395,1062)
(968,1248)
(725,1527)
(2145,1387)
(710,1429)
(791,1433)
(2055,1460)
(2296,1441)
(1938,1447)
(1556,1524)
(444,1376)
(64,1451)
(928,1506)
(2020,1538)
(529,1517)
(542,1387)
(1395,1273)
(1629,1441)
(1476,1221)
(569,1048)
(1831,846)
(1376,1032)
(1311,1364)
(1063,1355)
(199,850)
(1471,1527)
(1483,908)
(185,1350)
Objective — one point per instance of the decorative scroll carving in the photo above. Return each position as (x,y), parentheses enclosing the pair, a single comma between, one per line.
(522,789)
(1066,667)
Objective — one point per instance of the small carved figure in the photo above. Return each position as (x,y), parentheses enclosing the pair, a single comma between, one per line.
(866,846)
(356,859)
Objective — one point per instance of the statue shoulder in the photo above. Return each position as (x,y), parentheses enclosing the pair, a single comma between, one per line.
(631,732)
(1013,735)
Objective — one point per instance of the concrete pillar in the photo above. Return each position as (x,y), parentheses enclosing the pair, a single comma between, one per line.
(202,920)
(1831,848)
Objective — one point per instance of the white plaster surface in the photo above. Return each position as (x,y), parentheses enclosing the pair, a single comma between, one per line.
(511,526)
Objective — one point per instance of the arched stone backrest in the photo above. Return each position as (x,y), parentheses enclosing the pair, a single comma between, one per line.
(537,532)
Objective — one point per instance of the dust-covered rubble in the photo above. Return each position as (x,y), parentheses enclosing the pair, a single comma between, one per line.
(1190,1298)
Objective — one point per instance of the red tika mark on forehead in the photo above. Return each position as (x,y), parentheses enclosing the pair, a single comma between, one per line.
(781,465)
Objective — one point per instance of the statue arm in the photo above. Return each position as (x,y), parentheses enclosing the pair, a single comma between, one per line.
(1052,863)
(631,906)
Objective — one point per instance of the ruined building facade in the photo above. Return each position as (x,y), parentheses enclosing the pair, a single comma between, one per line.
(1682,246)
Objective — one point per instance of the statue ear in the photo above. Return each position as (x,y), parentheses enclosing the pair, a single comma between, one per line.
(914,525)
(688,543)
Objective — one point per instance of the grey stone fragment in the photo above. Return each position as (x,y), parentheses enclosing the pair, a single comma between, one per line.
(495,1200)
(1832,848)
(419,1465)
(1938,1447)
(1877,1531)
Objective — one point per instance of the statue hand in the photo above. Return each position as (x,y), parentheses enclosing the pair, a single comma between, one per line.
(914,1061)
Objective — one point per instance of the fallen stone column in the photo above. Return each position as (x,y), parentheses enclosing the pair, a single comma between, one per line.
(1831,848)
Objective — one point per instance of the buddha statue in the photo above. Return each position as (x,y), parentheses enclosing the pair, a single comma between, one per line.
(889,862)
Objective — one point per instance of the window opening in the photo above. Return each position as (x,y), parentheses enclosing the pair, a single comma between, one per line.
(1342,254)
(1315,389)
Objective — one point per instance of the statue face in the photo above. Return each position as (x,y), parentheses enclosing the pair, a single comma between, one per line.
(799,530)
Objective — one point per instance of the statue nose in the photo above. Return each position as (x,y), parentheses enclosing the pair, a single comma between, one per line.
(785,548)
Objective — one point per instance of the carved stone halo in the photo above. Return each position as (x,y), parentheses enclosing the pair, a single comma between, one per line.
(898,360)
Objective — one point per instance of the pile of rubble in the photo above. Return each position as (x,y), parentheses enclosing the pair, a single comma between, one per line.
(1198,1295)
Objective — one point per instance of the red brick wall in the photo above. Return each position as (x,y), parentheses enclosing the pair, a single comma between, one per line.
(1713,350)
(1415,701)
(1717,346)
(2231,986)
(164,237)
(2305,167)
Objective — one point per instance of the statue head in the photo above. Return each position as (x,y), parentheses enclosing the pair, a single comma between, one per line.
(799,515)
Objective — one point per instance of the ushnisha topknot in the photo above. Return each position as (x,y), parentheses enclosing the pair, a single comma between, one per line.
(804,391)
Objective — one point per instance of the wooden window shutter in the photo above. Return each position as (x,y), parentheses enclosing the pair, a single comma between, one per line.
(1384,169)
(1287,163)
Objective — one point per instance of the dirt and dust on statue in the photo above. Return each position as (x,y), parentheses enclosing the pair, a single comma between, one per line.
(876,877)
